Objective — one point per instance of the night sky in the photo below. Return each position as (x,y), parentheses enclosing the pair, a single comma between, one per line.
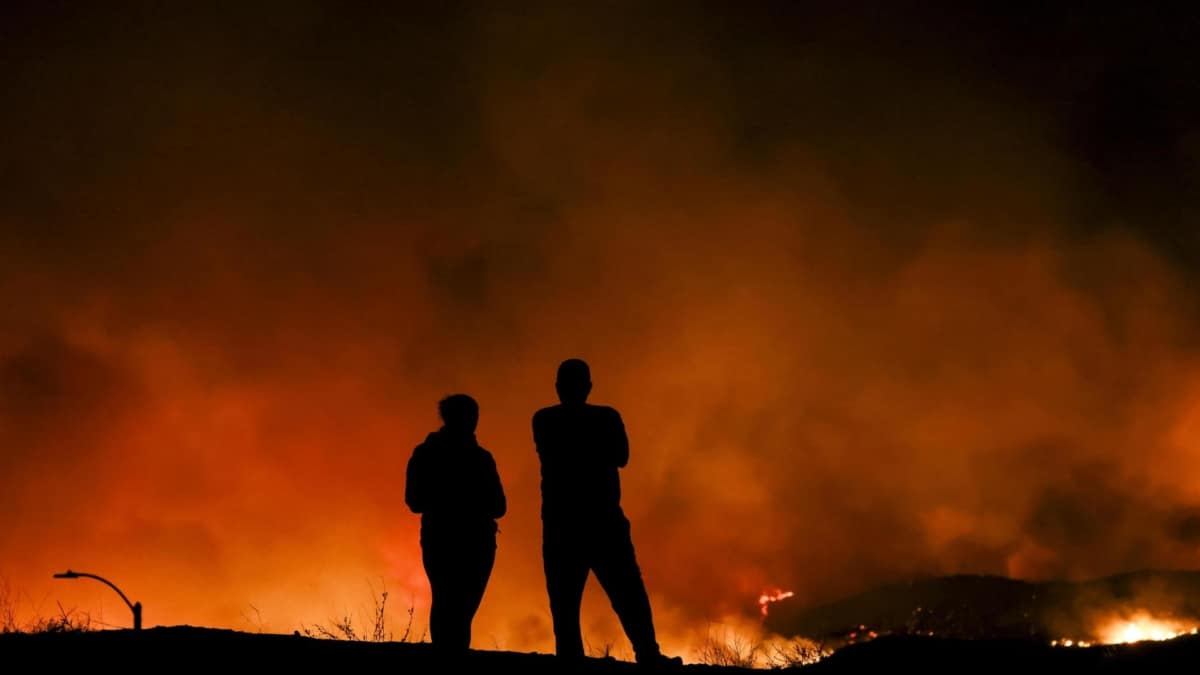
(882,290)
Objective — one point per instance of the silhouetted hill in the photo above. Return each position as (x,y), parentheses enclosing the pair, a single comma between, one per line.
(901,654)
(201,650)
(994,607)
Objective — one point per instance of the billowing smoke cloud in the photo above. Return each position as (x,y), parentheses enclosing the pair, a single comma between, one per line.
(871,307)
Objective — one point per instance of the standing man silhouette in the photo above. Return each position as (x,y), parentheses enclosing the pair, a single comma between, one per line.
(582,447)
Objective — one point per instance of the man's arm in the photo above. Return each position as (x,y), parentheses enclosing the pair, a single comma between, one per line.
(497,504)
(539,422)
(416,494)
(620,441)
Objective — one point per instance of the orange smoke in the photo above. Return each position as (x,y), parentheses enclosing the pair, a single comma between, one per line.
(866,318)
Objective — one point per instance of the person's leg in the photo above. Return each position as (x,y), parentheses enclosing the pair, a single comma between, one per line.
(439,586)
(478,562)
(566,575)
(449,627)
(617,571)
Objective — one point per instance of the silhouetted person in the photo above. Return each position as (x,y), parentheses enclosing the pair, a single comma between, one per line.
(452,482)
(582,447)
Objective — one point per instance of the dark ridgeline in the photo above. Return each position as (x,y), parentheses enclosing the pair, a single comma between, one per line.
(453,483)
(582,447)
(980,607)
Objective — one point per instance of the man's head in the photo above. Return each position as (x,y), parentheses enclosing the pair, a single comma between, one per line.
(459,412)
(574,381)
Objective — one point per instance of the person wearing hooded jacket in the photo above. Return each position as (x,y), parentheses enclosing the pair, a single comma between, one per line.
(453,484)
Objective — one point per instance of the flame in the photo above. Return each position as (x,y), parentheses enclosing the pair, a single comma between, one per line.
(769,597)
(1141,627)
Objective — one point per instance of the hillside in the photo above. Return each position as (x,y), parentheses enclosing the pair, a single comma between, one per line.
(974,607)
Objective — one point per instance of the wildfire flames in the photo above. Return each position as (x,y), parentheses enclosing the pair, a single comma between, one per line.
(1143,627)
(767,598)
(1139,627)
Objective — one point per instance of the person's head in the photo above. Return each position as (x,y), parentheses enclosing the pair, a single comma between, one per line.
(574,381)
(459,412)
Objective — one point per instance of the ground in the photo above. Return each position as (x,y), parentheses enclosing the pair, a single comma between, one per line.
(189,649)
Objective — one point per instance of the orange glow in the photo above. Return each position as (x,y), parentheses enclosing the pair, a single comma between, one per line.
(849,349)
(1142,627)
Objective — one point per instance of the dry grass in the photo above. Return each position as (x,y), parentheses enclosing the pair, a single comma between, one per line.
(724,647)
(374,628)
(8,609)
(66,621)
(794,653)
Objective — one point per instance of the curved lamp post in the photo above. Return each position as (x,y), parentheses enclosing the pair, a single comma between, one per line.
(135,607)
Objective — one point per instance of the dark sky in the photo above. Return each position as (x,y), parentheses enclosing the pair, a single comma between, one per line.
(882,290)
(123,97)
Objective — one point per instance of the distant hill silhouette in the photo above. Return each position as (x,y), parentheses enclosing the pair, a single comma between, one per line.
(904,654)
(974,607)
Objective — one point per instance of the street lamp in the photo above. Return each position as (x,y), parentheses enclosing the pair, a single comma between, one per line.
(135,607)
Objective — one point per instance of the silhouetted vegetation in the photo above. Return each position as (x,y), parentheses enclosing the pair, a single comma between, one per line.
(374,629)
(723,647)
(65,621)
(726,648)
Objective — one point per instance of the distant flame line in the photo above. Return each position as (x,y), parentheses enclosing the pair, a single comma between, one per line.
(1140,627)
